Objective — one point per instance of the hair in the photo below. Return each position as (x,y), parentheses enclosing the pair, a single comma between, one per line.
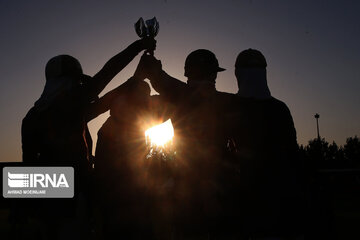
(250,58)
(137,91)
(62,65)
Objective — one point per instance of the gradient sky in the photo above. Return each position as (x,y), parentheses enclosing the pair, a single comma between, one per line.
(312,48)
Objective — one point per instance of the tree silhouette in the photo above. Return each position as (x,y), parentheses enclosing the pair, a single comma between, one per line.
(332,183)
(320,154)
(352,152)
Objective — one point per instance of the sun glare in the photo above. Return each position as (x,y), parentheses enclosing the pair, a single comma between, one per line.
(161,134)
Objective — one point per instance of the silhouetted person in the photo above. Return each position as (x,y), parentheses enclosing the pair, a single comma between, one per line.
(120,164)
(199,143)
(264,192)
(54,131)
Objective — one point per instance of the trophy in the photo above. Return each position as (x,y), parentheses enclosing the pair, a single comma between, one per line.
(150,28)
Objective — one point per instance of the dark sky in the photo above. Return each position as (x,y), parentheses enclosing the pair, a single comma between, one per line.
(312,48)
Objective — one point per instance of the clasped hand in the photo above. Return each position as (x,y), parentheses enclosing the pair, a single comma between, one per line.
(148,67)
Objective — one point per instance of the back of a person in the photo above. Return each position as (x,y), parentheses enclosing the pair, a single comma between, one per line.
(120,167)
(121,141)
(265,141)
(117,171)
(263,153)
(198,130)
(53,137)
(50,138)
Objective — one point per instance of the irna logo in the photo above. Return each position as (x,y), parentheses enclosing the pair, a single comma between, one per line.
(23,180)
(38,182)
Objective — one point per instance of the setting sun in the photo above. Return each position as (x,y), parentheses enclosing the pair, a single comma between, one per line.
(161,134)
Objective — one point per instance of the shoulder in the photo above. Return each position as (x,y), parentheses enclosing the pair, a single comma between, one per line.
(279,105)
(30,124)
(37,119)
(30,117)
(224,97)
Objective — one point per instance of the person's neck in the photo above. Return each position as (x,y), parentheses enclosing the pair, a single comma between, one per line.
(252,83)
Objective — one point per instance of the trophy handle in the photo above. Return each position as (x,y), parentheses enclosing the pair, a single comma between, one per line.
(140,28)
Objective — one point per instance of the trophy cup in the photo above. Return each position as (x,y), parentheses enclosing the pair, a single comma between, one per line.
(150,28)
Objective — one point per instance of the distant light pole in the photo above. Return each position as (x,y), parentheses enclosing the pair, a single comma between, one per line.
(317,125)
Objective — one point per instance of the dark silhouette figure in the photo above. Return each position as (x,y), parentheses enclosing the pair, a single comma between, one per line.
(263,183)
(197,120)
(121,170)
(54,131)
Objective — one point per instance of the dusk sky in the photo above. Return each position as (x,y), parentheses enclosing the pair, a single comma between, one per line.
(312,49)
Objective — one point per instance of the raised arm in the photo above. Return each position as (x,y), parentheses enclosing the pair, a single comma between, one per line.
(103,104)
(169,87)
(116,64)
